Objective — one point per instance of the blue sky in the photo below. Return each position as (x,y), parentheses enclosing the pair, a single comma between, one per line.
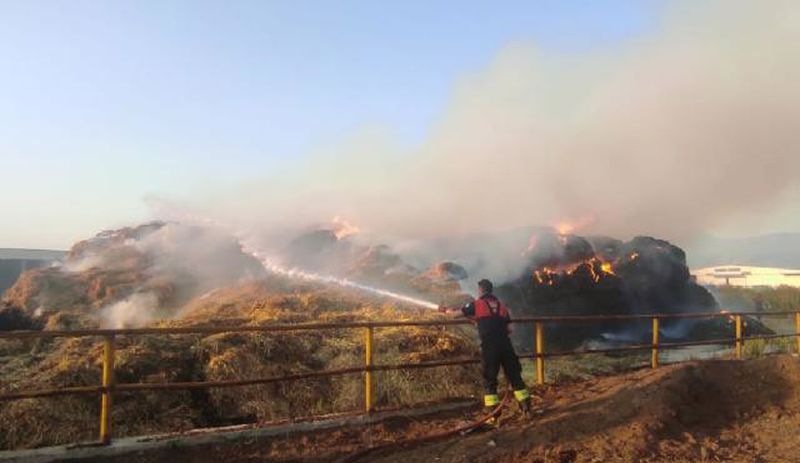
(102,103)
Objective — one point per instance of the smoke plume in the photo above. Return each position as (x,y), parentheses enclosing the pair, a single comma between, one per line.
(137,310)
(669,135)
(135,275)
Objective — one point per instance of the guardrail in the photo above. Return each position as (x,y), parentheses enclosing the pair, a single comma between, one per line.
(108,386)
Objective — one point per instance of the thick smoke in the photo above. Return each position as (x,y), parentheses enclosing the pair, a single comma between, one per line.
(670,134)
(211,257)
(138,309)
(135,275)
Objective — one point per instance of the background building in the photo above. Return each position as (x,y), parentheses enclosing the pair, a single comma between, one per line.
(741,275)
(15,261)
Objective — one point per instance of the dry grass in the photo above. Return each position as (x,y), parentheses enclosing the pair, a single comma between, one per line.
(30,365)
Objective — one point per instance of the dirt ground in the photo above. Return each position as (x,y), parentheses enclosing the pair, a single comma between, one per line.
(716,410)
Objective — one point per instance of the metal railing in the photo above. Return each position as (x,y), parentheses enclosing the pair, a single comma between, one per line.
(108,386)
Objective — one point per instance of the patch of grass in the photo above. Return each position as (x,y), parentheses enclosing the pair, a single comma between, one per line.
(781,299)
(755,348)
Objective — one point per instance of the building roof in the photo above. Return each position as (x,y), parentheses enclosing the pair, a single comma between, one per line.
(745,275)
(31,254)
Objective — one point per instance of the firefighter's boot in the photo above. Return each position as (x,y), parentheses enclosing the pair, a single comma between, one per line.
(490,402)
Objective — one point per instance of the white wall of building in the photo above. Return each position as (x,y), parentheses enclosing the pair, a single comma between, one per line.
(746,276)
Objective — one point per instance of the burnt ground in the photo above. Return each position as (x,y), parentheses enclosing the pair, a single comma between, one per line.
(716,410)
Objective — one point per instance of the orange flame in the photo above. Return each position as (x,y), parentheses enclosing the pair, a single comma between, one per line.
(607,268)
(342,228)
(596,268)
(564,228)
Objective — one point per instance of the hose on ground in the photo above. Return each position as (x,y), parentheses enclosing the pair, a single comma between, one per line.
(353,457)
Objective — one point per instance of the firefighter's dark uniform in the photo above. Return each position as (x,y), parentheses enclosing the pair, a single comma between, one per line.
(492,318)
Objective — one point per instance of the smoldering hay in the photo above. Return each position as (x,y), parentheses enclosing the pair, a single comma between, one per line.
(668,134)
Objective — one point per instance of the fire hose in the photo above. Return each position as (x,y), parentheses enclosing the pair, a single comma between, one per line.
(463,429)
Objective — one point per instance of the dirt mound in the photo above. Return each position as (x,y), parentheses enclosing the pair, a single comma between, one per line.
(694,412)
(708,411)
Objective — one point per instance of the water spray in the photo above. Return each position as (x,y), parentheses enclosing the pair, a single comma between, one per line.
(276,268)
(272,267)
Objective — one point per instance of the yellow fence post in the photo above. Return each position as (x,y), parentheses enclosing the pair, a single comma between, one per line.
(108,381)
(539,353)
(654,358)
(739,341)
(797,329)
(368,374)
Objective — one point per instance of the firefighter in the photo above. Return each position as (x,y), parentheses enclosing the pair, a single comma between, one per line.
(494,327)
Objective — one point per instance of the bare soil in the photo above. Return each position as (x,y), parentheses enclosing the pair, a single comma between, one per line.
(717,410)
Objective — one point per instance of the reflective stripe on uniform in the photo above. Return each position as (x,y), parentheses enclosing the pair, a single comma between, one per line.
(522,394)
(490,400)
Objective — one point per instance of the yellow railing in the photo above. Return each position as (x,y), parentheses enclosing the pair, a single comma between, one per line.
(654,354)
(108,386)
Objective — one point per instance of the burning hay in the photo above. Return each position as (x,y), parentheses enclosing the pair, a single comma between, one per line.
(137,276)
(573,275)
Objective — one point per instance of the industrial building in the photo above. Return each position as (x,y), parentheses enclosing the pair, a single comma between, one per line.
(15,261)
(746,276)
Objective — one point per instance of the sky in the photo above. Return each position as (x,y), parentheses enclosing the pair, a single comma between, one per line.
(105,104)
